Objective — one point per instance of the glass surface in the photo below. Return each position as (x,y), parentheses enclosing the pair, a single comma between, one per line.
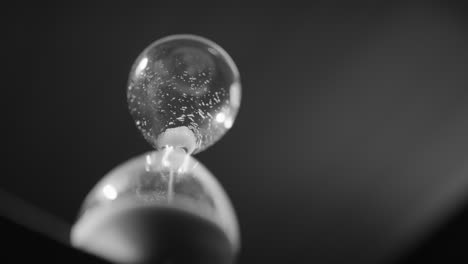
(162,205)
(184,91)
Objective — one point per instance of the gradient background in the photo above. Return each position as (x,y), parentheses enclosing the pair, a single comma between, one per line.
(351,144)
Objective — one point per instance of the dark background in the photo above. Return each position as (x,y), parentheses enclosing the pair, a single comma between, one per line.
(351,144)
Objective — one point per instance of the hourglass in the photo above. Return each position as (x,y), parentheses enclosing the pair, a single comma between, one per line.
(164,206)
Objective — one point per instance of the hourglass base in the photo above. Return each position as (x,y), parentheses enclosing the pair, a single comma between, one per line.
(129,233)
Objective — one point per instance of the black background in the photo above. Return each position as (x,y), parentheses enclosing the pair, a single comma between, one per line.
(351,144)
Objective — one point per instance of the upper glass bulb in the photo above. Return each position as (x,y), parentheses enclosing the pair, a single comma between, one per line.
(184,91)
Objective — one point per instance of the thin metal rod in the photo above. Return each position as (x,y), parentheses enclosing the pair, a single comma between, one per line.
(33,218)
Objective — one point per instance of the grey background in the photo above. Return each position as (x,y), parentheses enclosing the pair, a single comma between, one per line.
(351,141)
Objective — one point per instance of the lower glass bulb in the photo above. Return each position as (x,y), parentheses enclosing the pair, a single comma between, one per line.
(163,206)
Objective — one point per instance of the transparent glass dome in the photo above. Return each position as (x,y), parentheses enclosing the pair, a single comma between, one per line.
(160,206)
(185,91)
